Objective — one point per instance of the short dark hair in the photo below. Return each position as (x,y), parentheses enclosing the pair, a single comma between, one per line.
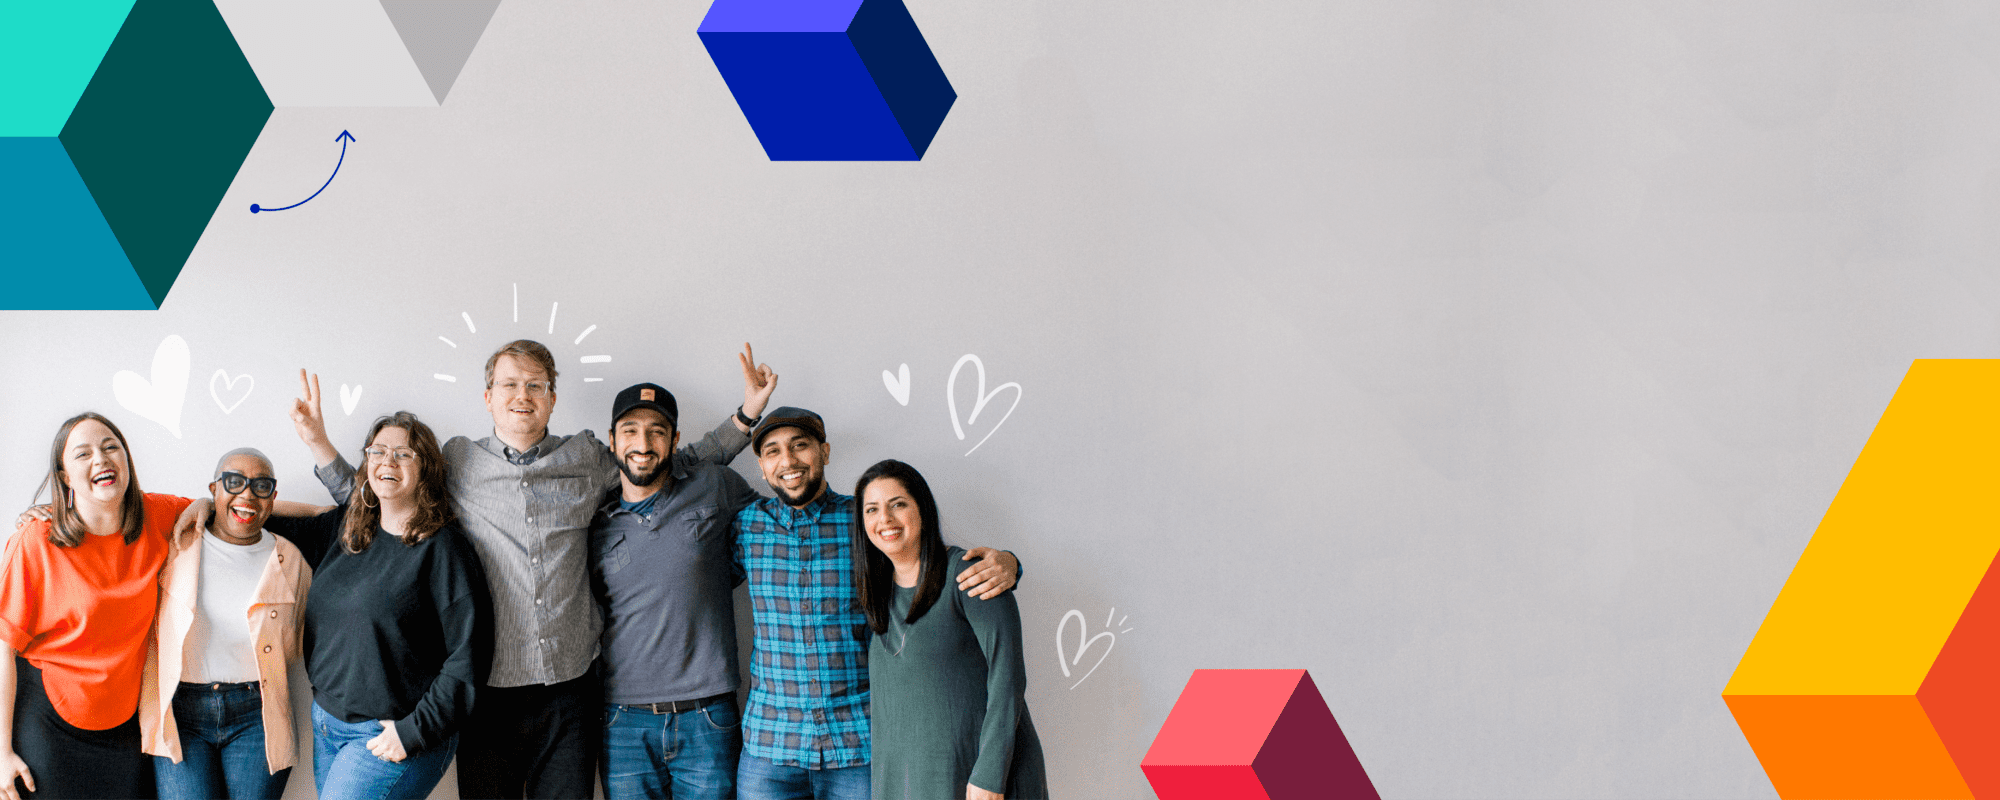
(526,349)
(65,527)
(874,576)
(364,512)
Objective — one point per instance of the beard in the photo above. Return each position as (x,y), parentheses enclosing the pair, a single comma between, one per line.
(642,477)
(805,495)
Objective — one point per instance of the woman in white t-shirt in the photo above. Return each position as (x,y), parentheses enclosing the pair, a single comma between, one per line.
(215,709)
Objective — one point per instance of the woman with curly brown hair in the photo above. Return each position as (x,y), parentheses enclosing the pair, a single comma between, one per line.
(398,630)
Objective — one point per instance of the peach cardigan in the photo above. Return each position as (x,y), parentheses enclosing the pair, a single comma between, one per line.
(277,618)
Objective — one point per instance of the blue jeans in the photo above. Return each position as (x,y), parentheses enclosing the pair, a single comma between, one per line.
(343,768)
(759,779)
(222,746)
(689,755)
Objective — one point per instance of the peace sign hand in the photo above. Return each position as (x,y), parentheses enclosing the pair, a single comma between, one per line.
(310,422)
(758,383)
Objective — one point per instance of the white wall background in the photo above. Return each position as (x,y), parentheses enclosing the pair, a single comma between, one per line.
(1494,361)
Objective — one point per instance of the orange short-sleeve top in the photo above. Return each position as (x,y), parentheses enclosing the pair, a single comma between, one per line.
(81,614)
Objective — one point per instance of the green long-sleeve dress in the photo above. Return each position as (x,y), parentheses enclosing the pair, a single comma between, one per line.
(946,705)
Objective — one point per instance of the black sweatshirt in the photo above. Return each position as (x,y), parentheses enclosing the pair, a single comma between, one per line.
(394,632)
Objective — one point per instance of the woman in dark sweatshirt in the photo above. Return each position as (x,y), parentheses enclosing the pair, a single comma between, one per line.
(398,629)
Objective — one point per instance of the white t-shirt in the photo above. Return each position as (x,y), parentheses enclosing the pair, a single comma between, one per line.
(219,649)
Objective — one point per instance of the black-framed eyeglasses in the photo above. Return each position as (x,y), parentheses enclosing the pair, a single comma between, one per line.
(233,483)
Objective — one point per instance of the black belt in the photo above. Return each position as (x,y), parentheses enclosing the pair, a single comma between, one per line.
(678,706)
(213,686)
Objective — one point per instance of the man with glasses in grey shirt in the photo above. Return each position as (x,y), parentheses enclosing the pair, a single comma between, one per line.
(526,498)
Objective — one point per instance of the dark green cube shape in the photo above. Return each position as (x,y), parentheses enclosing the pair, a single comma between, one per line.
(161,130)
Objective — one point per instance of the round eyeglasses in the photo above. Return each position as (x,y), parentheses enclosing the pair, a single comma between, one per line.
(383,455)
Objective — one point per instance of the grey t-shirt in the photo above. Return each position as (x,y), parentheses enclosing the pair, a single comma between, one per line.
(665,581)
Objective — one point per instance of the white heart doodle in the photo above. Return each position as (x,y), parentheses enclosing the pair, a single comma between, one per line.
(229,384)
(161,397)
(898,383)
(349,400)
(951,400)
(1083,645)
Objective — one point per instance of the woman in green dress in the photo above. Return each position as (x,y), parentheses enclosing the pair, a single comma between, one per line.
(946,712)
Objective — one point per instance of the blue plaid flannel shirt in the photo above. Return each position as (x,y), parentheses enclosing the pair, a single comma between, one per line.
(809,669)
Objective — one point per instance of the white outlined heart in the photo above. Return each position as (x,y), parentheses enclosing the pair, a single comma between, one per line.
(1083,645)
(160,397)
(898,383)
(230,384)
(951,400)
(349,400)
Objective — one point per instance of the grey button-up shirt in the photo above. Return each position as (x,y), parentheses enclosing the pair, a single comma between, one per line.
(528,514)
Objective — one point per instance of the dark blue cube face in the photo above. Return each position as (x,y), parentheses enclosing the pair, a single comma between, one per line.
(809,97)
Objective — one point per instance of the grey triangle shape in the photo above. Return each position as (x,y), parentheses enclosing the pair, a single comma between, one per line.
(440,35)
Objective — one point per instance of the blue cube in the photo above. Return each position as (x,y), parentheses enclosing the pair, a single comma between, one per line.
(829,80)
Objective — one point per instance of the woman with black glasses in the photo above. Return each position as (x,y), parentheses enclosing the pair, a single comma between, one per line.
(215,710)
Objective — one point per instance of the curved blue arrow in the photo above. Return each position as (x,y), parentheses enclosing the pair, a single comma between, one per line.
(343,139)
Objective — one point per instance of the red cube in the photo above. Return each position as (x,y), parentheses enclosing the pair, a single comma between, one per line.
(1253,734)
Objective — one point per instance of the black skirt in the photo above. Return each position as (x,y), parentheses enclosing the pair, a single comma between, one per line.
(70,762)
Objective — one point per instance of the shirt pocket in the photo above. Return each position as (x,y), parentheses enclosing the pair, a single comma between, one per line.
(613,555)
(567,502)
(701,524)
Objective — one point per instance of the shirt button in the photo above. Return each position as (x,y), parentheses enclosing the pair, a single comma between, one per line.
(524,484)
(531,520)
(538,601)
(267,648)
(274,613)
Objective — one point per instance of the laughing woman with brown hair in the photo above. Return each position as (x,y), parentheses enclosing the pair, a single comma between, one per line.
(398,624)
(77,596)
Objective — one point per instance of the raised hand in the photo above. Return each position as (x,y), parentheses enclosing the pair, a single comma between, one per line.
(307,418)
(310,422)
(758,383)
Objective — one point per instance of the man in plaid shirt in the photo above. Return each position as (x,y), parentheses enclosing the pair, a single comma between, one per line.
(805,732)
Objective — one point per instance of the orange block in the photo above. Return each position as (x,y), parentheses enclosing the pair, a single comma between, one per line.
(1877,671)
(1853,746)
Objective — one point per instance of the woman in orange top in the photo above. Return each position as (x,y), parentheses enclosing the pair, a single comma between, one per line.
(77,597)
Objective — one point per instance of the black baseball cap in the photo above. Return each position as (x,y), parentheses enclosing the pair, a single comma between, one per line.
(787,415)
(646,395)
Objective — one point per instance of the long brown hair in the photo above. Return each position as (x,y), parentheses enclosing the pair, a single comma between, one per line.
(65,526)
(874,576)
(364,511)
